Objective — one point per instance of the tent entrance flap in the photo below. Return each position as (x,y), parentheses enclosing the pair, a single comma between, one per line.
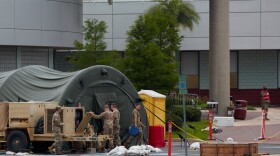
(103,98)
(84,123)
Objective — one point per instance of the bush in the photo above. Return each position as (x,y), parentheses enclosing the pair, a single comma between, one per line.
(251,108)
(193,114)
(175,114)
(176,110)
(176,120)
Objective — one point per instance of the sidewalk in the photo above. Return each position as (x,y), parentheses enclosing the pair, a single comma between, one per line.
(249,129)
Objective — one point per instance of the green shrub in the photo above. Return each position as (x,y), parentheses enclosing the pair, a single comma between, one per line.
(176,110)
(176,120)
(175,115)
(251,108)
(193,114)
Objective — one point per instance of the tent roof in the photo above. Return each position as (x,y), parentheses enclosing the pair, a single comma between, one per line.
(34,82)
(92,87)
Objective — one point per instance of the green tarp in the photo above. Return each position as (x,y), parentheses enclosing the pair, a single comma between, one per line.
(91,87)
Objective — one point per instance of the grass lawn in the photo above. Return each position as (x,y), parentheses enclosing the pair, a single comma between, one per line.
(194,132)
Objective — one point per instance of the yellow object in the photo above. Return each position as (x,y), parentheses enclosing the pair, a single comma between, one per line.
(155,107)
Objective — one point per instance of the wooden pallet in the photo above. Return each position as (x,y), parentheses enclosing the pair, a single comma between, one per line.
(223,149)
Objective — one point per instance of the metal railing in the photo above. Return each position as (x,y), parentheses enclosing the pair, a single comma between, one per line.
(176,99)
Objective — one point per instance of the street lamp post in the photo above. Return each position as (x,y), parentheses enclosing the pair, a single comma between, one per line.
(110,2)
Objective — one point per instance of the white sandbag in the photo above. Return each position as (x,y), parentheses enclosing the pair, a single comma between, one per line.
(132,152)
(195,146)
(10,153)
(141,152)
(229,140)
(157,150)
(135,148)
(121,153)
(149,147)
(122,150)
(115,150)
(144,147)
(21,153)
(146,152)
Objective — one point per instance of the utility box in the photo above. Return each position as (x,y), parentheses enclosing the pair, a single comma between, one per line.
(27,114)
(223,121)
(155,107)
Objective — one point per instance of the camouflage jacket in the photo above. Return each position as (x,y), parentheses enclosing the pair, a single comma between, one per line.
(117,117)
(107,117)
(56,121)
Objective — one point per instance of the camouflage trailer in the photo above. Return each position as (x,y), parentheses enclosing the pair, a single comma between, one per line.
(23,123)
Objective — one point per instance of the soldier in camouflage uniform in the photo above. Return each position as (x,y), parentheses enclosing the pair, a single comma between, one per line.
(136,121)
(108,118)
(116,123)
(265,101)
(56,128)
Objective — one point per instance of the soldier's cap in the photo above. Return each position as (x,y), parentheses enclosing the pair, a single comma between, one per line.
(139,101)
(58,107)
(114,103)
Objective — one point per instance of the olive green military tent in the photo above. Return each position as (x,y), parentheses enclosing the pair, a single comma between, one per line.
(91,87)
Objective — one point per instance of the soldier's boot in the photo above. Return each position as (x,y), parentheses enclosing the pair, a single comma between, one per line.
(51,149)
(127,142)
(125,145)
(58,152)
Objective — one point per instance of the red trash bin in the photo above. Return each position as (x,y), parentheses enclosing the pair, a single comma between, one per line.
(156,136)
(240,109)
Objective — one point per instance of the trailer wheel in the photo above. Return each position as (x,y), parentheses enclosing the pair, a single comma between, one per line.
(17,140)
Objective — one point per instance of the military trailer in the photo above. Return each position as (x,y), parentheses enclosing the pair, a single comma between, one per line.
(23,123)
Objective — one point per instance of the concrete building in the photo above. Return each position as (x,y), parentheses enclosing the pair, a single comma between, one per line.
(254,43)
(31,32)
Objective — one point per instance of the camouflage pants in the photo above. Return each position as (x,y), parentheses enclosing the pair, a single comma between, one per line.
(107,131)
(57,138)
(139,138)
(116,139)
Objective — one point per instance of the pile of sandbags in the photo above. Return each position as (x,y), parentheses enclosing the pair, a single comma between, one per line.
(142,150)
(14,153)
(119,150)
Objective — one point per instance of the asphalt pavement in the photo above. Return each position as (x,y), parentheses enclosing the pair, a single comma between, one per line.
(249,130)
(243,131)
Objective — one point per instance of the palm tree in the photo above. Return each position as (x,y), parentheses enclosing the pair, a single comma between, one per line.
(179,14)
(183,12)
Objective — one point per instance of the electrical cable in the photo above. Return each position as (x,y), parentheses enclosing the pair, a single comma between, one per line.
(172,122)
